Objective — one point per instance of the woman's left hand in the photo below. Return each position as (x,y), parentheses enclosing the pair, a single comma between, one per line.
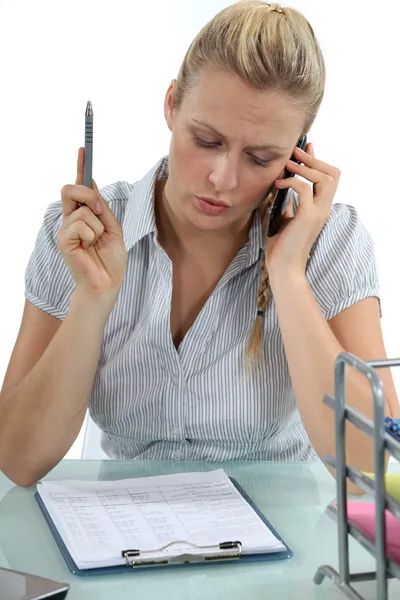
(289,249)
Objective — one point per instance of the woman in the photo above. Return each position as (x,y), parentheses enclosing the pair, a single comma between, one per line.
(145,302)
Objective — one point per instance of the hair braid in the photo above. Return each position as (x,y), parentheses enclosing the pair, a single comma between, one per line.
(254,349)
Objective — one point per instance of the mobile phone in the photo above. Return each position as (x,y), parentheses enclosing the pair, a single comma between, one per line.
(278,208)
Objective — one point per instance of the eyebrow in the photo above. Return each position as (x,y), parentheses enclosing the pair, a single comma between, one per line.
(266,147)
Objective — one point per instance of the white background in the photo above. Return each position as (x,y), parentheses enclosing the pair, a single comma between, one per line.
(122,55)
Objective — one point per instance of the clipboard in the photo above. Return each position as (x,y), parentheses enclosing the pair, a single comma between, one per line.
(136,560)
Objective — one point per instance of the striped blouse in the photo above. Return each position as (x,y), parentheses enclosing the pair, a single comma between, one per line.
(152,401)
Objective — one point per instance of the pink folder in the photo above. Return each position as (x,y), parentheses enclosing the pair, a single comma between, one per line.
(362,514)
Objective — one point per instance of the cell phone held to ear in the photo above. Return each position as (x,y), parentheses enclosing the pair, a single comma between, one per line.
(278,208)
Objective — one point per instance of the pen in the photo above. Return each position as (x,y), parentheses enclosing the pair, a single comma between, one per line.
(87,174)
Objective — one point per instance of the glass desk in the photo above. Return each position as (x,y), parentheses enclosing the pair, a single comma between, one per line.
(293,496)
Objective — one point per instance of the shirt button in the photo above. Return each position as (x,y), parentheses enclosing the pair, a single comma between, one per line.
(178,454)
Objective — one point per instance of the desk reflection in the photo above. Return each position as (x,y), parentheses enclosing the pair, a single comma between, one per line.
(292,496)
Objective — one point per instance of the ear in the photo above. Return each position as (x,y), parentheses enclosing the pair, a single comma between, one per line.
(169,104)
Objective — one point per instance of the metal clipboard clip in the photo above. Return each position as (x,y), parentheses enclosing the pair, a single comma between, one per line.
(136,558)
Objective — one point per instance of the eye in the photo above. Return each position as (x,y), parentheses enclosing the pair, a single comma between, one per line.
(211,145)
(202,144)
(259,162)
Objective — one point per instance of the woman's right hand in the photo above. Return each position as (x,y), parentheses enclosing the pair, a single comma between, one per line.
(91,241)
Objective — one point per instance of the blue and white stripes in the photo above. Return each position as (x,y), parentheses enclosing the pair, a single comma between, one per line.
(198,403)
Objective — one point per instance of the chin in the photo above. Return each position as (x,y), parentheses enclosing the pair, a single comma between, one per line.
(206,222)
(209,223)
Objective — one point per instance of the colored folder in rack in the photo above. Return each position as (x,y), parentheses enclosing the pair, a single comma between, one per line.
(227,551)
(362,514)
(392,484)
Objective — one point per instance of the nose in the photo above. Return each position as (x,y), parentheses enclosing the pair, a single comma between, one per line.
(224,173)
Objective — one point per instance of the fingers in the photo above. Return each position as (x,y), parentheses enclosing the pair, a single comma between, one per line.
(80,232)
(312,163)
(85,214)
(301,187)
(310,149)
(106,216)
(80,167)
(72,196)
(324,179)
(83,225)
(306,172)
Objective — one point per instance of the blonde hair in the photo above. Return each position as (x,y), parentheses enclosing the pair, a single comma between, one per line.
(270,48)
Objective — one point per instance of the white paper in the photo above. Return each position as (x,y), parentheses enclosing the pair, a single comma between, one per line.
(99,519)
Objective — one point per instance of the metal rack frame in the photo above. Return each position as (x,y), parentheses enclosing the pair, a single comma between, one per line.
(385,568)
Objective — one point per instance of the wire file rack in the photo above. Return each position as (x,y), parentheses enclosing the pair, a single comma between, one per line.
(382,442)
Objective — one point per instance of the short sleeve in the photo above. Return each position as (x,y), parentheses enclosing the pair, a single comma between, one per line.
(342,267)
(48,282)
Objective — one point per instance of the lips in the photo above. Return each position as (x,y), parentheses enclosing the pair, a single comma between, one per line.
(212,201)
(210,206)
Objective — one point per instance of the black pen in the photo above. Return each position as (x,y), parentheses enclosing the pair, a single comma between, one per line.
(87,174)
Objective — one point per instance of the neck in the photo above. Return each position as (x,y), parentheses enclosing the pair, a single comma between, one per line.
(181,239)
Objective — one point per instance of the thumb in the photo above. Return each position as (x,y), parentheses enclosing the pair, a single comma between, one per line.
(106,216)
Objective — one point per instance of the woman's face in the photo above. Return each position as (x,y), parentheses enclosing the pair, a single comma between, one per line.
(229,143)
